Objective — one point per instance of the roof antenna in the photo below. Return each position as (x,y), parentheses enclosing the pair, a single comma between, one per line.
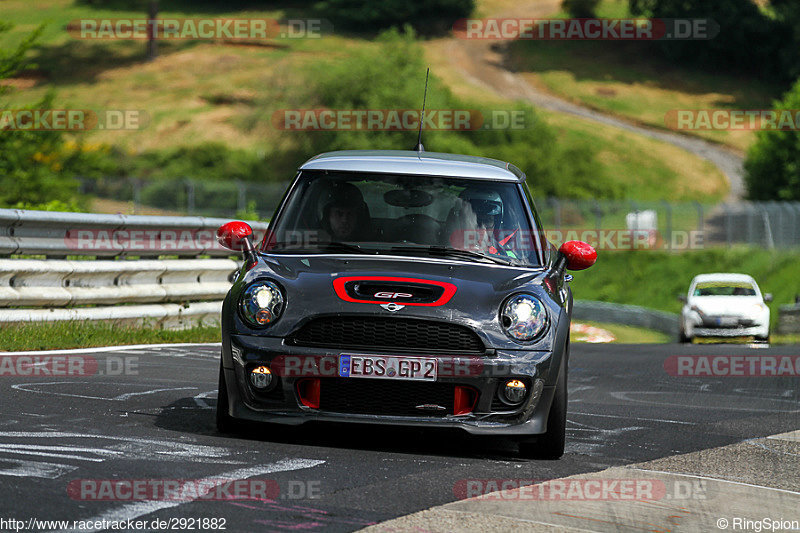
(419,147)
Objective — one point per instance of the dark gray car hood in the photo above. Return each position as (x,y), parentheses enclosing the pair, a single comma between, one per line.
(481,289)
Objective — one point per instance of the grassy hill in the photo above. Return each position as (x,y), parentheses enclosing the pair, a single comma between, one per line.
(227,92)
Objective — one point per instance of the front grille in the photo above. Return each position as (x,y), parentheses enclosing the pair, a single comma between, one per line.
(395,334)
(734,322)
(385,397)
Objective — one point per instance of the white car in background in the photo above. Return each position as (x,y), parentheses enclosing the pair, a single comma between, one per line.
(724,305)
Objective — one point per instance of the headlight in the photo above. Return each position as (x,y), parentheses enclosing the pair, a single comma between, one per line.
(261,303)
(523,317)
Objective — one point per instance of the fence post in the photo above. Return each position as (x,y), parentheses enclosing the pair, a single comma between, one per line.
(190,199)
(668,233)
(241,199)
(137,195)
(795,207)
(557,213)
(700,220)
(598,218)
(728,225)
(767,227)
(751,212)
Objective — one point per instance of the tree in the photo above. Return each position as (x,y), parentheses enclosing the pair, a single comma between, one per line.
(741,24)
(581,9)
(430,16)
(773,162)
(30,161)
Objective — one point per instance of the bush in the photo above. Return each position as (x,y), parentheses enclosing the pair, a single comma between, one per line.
(741,24)
(36,167)
(431,16)
(205,161)
(581,8)
(772,168)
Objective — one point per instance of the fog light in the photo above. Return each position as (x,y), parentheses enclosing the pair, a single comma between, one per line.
(261,377)
(514,391)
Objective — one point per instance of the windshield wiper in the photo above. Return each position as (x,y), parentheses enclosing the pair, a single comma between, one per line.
(453,252)
(320,246)
(346,247)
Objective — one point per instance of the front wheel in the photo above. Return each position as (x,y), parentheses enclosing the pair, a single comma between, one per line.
(551,444)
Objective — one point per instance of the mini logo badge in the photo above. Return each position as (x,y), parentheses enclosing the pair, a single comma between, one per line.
(392,295)
(392,307)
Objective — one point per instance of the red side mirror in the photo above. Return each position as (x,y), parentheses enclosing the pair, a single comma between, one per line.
(235,236)
(578,254)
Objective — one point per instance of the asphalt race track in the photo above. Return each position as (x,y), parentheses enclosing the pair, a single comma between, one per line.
(153,420)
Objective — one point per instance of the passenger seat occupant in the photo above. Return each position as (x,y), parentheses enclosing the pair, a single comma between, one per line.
(480,217)
(345,216)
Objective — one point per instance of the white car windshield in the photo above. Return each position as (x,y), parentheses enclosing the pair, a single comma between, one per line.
(724,288)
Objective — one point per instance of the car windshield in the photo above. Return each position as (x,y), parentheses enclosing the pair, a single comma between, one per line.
(474,220)
(724,288)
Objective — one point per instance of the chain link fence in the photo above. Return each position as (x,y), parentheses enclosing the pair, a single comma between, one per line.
(191,197)
(672,225)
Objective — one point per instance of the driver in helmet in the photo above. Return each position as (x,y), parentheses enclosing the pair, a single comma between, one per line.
(487,207)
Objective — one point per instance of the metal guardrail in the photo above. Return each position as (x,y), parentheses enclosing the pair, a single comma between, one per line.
(629,315)
(163,292)
(57,235)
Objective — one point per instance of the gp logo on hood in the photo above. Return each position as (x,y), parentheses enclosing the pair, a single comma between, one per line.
(380,289)
(392,295)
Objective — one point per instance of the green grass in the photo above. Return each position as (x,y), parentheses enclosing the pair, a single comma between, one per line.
(655,279)
(627,79)
(647,169)
(65,335)
(625,334)
(785,339)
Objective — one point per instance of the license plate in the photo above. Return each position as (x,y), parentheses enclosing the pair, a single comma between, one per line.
(386,367)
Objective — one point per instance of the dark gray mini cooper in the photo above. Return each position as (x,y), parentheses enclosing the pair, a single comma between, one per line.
(407,288)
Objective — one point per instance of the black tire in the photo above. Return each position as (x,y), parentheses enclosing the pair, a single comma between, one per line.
(225,422)
(551,445)
(683,338)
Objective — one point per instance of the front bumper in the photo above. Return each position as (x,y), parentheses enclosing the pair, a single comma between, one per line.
(756,331)
(696,325)
(483,374)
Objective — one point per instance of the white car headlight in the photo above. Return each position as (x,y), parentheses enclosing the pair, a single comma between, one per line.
(523,317)
(261,303)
